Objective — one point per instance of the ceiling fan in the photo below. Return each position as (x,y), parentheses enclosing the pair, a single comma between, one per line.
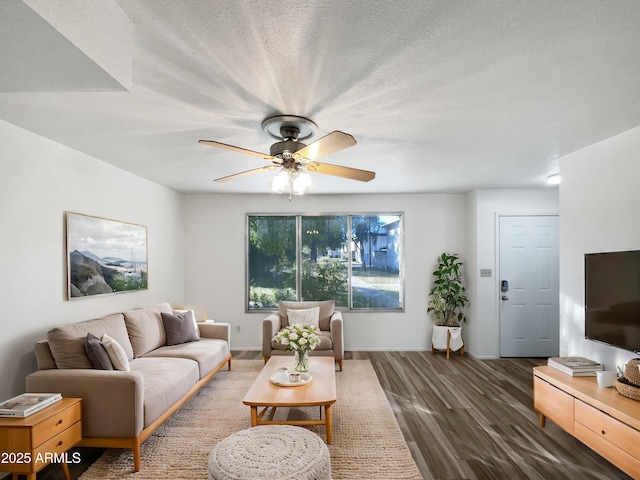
(294,158)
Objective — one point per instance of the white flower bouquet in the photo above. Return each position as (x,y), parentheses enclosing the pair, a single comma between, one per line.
(300,337)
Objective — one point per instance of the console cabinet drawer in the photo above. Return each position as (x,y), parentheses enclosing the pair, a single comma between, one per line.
(608,450)
(553,403)
(610,429)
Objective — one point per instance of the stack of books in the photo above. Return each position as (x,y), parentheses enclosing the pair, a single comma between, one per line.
(575,366)
(27,403)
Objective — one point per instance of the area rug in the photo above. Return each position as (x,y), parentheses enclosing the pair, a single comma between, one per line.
(367,442)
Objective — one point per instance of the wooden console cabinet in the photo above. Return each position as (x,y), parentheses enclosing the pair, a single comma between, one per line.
(601,418)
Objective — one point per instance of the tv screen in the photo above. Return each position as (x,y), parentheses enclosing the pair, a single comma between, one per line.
(612,298)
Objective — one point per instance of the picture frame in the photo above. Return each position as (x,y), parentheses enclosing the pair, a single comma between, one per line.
(104,257)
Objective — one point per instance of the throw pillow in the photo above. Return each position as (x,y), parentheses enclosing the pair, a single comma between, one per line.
(310,316)
(97,353)
(179,328)
(193,317)
(116,353)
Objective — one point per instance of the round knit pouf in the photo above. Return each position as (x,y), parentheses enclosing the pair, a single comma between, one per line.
(276,452)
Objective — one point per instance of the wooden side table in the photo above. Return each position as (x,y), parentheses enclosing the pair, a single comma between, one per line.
(29,444)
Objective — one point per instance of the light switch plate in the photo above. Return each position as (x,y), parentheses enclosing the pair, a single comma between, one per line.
(485,272)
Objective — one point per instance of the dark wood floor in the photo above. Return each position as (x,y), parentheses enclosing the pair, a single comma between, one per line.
(465,419)
(468,419)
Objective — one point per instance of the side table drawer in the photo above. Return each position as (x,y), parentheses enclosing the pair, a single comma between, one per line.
(58,445)
(553,403)
(610,429)
(56,424)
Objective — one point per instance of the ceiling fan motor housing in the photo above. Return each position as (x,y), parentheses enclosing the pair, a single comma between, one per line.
(284,147)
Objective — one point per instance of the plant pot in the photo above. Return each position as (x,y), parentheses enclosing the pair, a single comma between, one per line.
(440,341)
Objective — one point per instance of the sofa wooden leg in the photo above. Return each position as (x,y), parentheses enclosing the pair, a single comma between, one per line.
(266,359)
(340,364)
(136,455)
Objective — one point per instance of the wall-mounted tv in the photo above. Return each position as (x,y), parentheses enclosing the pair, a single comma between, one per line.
(612,298)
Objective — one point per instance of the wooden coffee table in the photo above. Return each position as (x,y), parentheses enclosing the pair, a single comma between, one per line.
(321,392)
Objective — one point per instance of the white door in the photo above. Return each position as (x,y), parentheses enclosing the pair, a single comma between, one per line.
(529,300)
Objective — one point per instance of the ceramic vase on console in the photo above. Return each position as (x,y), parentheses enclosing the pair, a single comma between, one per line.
(301,359)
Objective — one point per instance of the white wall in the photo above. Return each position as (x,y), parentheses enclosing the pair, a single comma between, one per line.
(215,261)
(482,334)
(39,181)
(599,207)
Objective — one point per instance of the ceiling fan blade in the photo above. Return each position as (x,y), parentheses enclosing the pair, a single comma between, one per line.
(248,172)
(339,171)
(213,143)
(330,143)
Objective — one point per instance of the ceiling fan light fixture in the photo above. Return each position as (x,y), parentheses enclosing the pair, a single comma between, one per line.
(301,183)
(280,182)
(293,180)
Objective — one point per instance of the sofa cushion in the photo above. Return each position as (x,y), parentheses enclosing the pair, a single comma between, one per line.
(166,380)
(97,354)
(310,316)
(145,328)
(116,353)
(44,358)
(326,310)
(67,342)
(179,328)
(208,352)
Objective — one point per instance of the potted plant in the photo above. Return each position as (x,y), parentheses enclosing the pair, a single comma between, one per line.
(447,297)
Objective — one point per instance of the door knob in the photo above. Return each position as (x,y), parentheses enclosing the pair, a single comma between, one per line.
(504,297)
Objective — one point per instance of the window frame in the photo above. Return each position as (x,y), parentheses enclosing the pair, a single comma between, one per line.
(298,229)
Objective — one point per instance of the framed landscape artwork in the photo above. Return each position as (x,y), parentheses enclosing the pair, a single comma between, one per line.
(104,256)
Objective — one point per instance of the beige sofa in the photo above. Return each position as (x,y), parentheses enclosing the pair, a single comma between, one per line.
(121,409)
(330,324)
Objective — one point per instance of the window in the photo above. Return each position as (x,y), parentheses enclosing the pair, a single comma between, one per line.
(355,260)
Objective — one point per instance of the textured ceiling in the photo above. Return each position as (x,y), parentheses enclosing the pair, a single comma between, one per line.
(441,96)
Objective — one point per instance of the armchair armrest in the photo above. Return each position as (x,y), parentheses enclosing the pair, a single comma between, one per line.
(219,330)
(112,400)
(270,326)
(337,335)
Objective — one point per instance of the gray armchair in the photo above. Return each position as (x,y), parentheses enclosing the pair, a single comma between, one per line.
(331,332)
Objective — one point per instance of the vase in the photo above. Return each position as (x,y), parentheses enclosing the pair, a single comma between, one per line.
(301,359)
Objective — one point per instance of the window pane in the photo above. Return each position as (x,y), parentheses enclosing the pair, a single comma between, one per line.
(376,259)
(272,260)
(324,259)
(319,257)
